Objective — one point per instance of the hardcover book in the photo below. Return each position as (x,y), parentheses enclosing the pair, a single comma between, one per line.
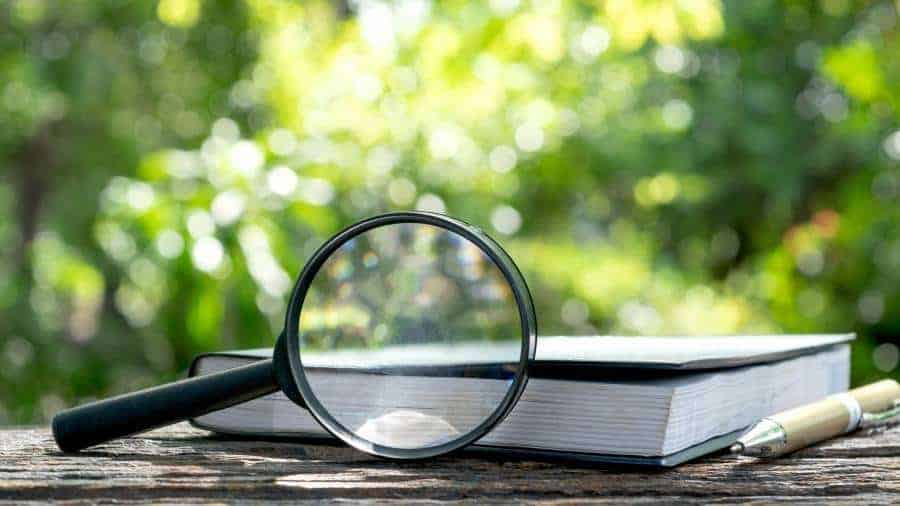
(641,400)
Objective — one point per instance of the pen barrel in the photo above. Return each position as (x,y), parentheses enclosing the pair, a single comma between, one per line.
(836,415)
(878,396)
(807,425)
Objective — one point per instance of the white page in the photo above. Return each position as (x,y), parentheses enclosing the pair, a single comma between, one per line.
(685,352)
(608,417)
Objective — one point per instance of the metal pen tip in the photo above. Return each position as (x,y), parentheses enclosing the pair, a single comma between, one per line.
(737,448)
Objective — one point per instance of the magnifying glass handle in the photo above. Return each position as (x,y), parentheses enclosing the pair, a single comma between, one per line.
(79,428)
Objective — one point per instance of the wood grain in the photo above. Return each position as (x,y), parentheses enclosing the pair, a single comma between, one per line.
(182,464)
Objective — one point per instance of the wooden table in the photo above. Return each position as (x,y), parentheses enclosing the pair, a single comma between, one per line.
(182,464)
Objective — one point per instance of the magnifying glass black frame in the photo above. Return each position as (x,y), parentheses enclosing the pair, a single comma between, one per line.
(85,426)
(496,254)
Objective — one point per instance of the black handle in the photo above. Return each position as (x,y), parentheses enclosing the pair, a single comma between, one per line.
(79,428)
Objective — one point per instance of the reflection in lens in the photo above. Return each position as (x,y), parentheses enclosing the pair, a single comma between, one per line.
(409,336)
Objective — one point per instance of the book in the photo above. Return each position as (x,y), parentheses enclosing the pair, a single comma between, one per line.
(642,400)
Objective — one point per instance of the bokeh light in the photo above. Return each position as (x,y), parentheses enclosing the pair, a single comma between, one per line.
(666,166)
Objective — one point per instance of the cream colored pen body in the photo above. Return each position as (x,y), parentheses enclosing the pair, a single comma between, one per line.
(803,426)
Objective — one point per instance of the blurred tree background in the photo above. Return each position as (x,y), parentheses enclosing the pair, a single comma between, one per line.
(655,167)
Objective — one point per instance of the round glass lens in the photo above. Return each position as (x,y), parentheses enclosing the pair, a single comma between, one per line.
(410,336)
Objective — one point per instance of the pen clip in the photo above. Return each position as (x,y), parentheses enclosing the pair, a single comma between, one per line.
(891,415)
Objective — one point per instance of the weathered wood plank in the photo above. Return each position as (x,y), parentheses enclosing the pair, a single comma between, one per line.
(184,464)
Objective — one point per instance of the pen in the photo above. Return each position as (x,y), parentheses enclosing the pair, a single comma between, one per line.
(785,432)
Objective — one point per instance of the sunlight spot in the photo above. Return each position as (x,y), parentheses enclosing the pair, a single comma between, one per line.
(677,114)
(282,181)
(316,191)
(504,7)
(228,207)
(443,143)
(169,243)
(430,202)
(140,196)
(871,307)
(179,13)
(401,191)
(208,254)
(574,312)
(529,137)
(885,356)
(200,223)
(892,145)
(226,129)
(367,87)
(669,59)
(282,142)
(503,159)
(376,23)
(247,158)
(506,220)
(592,42)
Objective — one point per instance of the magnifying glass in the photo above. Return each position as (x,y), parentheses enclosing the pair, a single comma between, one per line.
(408,335)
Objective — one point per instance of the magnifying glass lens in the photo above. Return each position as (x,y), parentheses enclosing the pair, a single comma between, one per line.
(410,338)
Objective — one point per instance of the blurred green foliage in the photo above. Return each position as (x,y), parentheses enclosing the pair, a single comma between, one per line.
(655,167)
